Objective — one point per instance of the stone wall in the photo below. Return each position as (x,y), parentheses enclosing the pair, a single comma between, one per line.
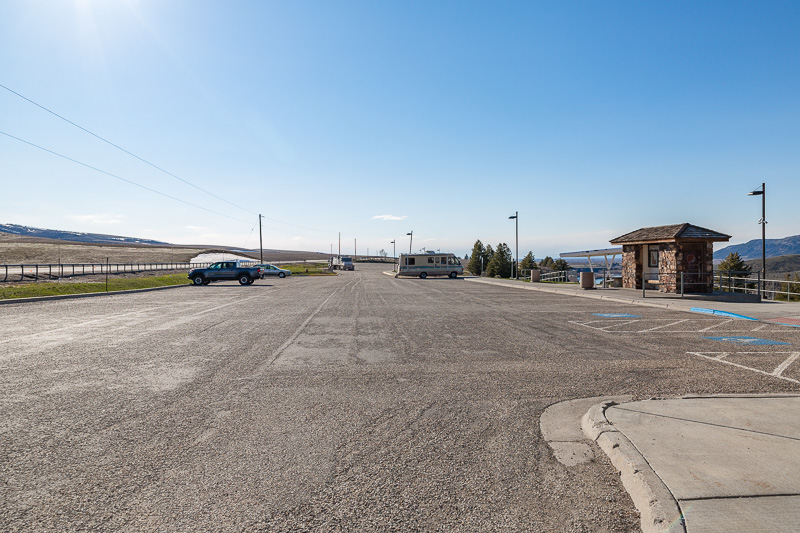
(668,268)
(632,266)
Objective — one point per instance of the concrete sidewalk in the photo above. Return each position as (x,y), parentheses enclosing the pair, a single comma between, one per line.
(706,464)
(777,312)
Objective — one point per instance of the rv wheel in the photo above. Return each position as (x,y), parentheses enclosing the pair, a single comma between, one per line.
(453,275)
(423,275)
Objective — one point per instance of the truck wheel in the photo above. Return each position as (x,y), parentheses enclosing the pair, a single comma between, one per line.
(199,280)
(423,275)
(244,279)
(282,275)
(453,275)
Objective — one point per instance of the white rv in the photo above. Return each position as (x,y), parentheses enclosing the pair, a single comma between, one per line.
(430,264)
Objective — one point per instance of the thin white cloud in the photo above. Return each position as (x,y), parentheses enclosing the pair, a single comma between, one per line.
(389,217)
(194,227)
(98,218)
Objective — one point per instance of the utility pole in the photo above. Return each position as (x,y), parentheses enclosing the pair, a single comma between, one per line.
(355,248)
(260,239)
(340,244)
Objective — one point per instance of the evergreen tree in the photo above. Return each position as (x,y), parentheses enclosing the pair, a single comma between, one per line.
(730,268)
(474,265)
(547,262)
(528,262)
(560,264)
(500,264)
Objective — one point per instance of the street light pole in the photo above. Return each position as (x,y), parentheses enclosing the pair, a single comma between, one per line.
(410,241)
(394,256)
(516,223)
(763,194)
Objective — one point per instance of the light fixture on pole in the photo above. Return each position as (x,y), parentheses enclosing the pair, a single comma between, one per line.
(394,256)
(763,194)
(516,223)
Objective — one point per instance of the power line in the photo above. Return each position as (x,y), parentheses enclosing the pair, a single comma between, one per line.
(129,181)
(40,106)
(124,150)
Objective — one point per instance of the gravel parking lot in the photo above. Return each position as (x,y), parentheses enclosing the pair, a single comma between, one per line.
(356,402)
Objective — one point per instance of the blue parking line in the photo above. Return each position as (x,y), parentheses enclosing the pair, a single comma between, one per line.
(716,312)
(747,341)
(616,315)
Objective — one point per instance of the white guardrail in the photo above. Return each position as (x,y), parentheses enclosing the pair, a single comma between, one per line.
(56,271)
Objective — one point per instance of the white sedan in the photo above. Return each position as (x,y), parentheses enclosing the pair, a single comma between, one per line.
(272,270)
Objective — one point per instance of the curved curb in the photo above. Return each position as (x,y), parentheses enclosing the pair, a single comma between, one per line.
(720,313)
(656,504)
(85,295)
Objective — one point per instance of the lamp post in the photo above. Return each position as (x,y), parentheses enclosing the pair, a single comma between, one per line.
(410,241)
(516,223)
(394,256)
(763,222)
(763,194)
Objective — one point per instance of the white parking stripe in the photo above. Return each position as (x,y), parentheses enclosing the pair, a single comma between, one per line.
(715,325)
(792,358)
(665,325)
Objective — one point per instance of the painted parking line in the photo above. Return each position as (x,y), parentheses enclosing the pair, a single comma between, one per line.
(723,325)
(616,315)
(724,357)
(748,341)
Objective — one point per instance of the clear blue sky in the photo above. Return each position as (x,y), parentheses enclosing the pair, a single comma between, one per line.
(374,119)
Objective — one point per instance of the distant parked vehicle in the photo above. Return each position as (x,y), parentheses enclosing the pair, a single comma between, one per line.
(342,262)
(430,264)
(246,274)
(272,270)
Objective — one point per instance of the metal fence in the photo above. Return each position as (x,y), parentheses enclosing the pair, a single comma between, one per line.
(57,271)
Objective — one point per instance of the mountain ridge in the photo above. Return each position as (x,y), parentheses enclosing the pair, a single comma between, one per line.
(752,249)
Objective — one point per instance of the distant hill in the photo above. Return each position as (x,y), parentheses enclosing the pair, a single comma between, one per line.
(73,236)
(777,267)
(752,249)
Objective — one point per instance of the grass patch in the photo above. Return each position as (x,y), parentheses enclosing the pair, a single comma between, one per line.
(32,290)
(309,269)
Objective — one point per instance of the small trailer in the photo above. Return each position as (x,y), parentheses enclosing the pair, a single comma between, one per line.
(430,264)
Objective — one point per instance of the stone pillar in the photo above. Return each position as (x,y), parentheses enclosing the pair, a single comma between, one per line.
(632,266)
(668,271)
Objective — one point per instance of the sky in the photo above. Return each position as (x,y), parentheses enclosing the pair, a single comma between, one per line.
(183,120)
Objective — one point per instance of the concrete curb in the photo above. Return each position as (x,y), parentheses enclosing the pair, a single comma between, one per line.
(657,506)
(85,295)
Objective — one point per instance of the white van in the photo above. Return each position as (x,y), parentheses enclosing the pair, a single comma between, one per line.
(430,264)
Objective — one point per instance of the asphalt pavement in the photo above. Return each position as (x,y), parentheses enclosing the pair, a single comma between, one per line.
(697,464)
(355,402)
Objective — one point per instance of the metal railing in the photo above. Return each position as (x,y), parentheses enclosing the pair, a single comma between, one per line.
(36,272)
(561,276)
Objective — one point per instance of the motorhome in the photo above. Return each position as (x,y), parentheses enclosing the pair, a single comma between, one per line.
(430,264)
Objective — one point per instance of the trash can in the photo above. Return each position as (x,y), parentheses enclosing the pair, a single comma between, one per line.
(536,275)
(587,280)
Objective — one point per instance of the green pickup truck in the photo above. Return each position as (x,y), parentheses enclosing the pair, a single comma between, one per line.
(225,271)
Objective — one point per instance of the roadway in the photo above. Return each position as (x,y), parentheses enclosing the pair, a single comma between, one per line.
(357,402)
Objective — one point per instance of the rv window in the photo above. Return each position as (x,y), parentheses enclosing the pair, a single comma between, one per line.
(443,260)
(411,261)
(430,260)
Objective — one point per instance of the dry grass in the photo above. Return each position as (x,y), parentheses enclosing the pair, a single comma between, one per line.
(15,250)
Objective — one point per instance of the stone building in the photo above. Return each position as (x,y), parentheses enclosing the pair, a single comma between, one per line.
(663,257)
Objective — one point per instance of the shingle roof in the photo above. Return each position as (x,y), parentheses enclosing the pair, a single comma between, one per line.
(669,233)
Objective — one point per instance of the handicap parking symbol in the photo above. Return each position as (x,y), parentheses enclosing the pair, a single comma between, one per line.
(747,341)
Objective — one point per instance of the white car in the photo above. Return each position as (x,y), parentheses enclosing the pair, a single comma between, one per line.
(272,270)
